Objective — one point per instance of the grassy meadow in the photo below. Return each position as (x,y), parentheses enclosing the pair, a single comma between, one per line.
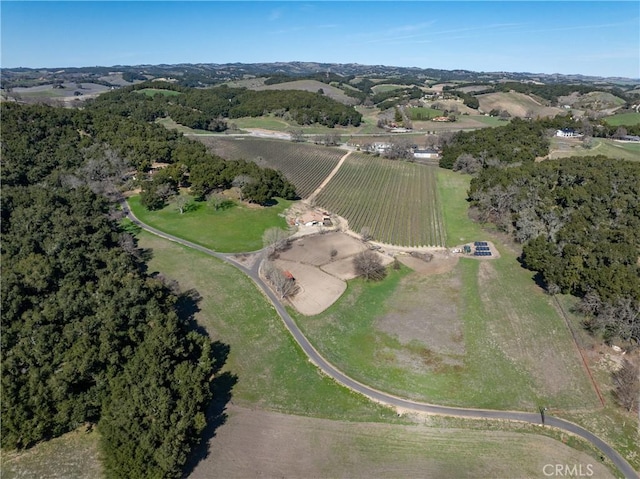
(273,373)
(565,147)
(422,113)
(630,118)
(231,230)
(73,455)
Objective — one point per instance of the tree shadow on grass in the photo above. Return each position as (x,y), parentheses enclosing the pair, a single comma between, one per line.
(221,385)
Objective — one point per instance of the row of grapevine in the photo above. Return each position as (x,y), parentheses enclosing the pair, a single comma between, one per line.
(397,200)
(304,165)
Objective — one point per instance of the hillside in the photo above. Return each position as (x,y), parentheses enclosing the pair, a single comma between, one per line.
(312,86)
(517,104)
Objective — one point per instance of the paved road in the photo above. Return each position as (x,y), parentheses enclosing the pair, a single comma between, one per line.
(382,397)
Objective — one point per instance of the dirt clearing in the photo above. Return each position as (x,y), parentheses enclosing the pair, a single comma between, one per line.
(320,265)
(269,445)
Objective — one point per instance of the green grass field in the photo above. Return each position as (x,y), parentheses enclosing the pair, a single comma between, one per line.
(507,337)
(489,120)
(170,124)
(266,122)
(563,148)
(624,119)
(423,114)
(237,229)
(273,372)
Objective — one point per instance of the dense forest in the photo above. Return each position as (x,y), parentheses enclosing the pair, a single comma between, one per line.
(519,141)
(204,108)
(578,220)
(88,335)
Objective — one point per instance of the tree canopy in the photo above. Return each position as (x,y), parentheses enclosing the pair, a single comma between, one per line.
(88,336)
(578,219)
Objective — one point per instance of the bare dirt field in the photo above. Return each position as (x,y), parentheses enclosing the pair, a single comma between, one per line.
(272,445)
(441,262)
(316,249)
(317,290)
(321,277)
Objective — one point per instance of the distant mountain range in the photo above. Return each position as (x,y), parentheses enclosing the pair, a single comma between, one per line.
(203,74)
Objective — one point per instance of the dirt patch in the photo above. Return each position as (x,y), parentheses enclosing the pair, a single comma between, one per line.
(265,444)
(317,290)
(441,262)
(343,269)
(321,264)
(426,318)
(316,250)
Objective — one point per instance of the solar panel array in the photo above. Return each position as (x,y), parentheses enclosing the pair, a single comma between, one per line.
(482,253)
(480,243)
(483,248)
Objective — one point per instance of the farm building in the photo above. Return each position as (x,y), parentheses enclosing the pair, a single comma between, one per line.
(428,153)
(567,133)
(312,218)
(629,138)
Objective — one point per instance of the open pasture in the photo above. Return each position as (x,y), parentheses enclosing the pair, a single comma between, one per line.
(297,447)
(422,113)
(304,165)
(566,147)
(312,86)
(517,104)
(397,200)
(630,118)
(232,230)
(478,333)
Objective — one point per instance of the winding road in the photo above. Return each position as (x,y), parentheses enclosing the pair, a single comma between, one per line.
(381,397)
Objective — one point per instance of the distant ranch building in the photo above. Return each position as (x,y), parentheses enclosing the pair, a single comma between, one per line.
(629,138)
(567,133)
(426,154)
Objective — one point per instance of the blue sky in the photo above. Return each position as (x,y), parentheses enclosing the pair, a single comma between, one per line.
(590,38)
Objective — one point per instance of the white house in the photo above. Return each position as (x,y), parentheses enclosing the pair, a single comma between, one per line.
(567,133)
(428,153)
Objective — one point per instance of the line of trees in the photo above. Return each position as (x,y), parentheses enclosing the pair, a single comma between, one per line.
(88,336)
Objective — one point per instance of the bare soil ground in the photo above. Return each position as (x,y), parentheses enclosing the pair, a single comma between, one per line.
(442,262)
(321,277)
(272,445)
(318,290)
(316,250)
(74,455)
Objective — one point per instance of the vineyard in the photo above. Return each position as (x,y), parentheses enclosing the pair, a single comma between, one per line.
(397,200)
(304,165)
